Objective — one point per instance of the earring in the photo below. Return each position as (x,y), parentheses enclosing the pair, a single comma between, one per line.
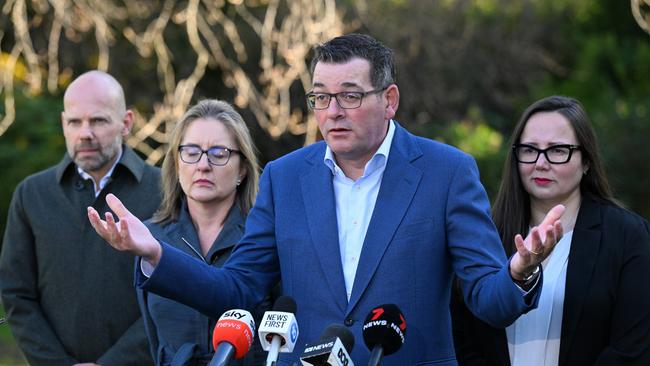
(238,182)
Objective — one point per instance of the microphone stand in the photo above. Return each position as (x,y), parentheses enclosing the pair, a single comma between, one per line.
(272,357)
(376,355)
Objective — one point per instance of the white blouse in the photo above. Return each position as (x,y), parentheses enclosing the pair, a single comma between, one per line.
(534,338)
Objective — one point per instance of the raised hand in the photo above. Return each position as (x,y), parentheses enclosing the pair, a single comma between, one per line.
(538,245)
(129,234)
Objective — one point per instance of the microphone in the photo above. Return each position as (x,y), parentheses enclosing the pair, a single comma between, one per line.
(383,332)
(332,350)
(233,336)
(279,329)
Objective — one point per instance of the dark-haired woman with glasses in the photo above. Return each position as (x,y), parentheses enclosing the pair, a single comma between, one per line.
(209,181)
(594,307)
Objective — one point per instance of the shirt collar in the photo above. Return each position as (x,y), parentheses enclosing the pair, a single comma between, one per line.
(377,161)
(105,179)
(129,159)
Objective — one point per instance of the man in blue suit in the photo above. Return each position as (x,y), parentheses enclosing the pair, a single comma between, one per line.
(372,215)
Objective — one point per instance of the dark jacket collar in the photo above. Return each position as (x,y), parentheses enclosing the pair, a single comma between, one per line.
(183,228)
(589,212)
(130,160)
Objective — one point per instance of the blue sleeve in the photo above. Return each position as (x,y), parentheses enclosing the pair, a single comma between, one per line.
(479,259)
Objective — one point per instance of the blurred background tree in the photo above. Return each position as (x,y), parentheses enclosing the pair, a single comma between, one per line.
(466,70)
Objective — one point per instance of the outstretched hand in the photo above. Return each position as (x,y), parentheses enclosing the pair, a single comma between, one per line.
(538,245)
(129,234)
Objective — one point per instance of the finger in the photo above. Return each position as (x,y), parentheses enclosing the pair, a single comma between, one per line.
(536,241)
(124,230)
(93,217)
(110,220)
(553,235)
(553,215)
(95,221)
(521,247)
(559,230)
(116,205)
(113,231)
(549,238)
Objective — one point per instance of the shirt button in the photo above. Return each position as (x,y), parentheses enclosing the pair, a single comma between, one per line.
(348,322)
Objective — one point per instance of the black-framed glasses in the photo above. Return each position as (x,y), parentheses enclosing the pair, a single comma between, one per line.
(345,100)
(217,155)
(556,154)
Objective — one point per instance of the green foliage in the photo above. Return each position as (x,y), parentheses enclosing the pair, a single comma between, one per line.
(475,136)
(608,70)
(34,142)
(9,353)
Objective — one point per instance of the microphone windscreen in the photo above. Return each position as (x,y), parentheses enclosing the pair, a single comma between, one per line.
(236,327)
(341,332)
(285,304)
(385,326)
(280,322)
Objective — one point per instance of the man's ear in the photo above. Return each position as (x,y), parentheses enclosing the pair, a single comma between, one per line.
(392,101)
(127,121)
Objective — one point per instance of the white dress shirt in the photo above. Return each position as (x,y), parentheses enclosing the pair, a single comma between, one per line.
(355,202)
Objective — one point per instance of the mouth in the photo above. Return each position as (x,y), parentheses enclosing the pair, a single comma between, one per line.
(338,131)
(86,151)
(203,182)
(542,181)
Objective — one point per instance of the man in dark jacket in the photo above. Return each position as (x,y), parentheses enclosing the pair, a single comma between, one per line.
(68,296)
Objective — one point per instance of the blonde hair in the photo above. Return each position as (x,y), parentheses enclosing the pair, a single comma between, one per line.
(223,112)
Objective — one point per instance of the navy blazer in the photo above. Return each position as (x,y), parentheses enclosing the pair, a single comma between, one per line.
(606,315)
(431,219)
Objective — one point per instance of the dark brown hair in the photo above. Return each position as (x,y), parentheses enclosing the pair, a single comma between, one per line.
(344,48)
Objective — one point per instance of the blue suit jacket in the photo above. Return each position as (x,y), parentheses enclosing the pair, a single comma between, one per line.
(431,219)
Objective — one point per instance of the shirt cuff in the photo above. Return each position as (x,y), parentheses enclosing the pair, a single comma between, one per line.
(146,268)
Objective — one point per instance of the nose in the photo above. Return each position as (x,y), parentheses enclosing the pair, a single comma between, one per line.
(542,162)
(85,132)
(334,110)
(203,163)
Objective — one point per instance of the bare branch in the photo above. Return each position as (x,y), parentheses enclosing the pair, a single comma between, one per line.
(217,35)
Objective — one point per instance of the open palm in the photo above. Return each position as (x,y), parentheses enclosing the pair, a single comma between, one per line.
(128,234)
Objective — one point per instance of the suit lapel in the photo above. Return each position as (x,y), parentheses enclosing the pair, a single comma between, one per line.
(320,210)
(398,186)
(585,248)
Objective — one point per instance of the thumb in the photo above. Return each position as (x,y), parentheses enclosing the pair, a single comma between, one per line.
(552,216)
(116,205)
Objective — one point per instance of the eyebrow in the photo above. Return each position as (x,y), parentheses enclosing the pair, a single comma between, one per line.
(345,84)
(552,143)
(68,117)
(209,147)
